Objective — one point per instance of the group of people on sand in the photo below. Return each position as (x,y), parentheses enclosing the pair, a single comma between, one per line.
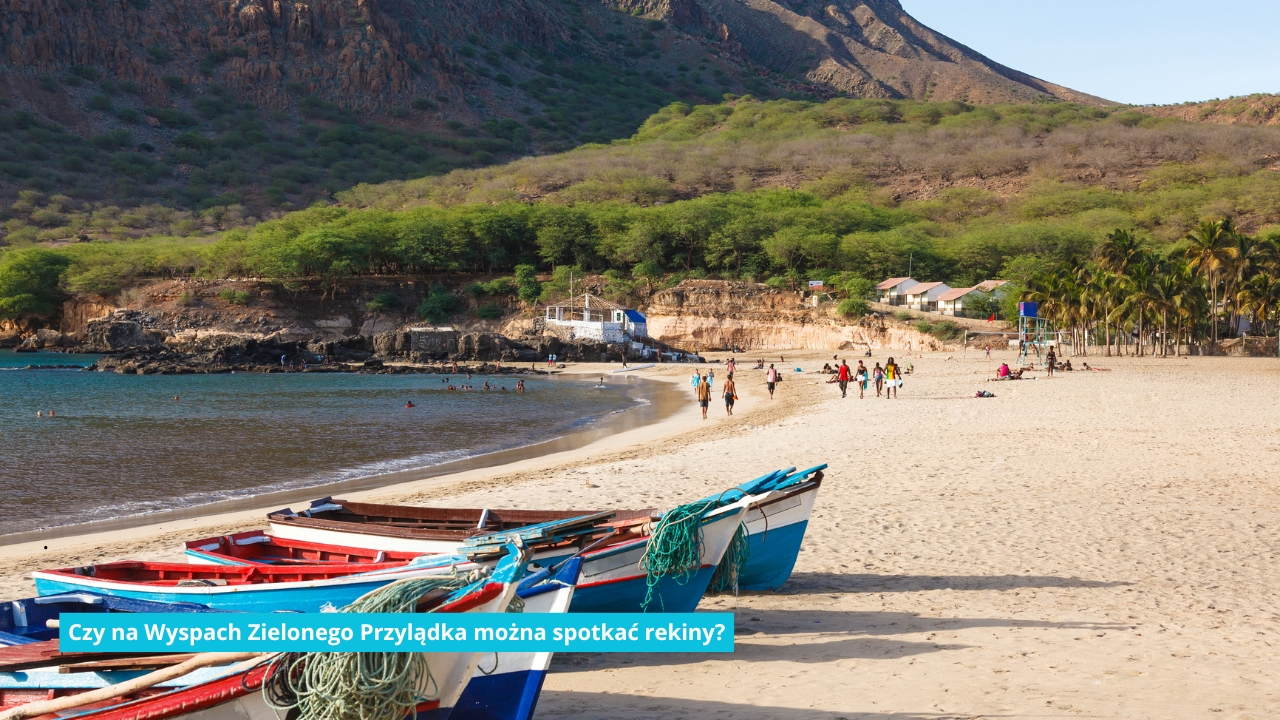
(703,384)
(886,379)
(1051,366)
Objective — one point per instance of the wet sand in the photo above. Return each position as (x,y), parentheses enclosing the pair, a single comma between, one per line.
(1097,544)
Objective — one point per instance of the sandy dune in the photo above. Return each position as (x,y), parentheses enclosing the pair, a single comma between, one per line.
(1098,544)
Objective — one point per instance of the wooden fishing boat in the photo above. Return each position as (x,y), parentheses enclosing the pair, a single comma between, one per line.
(260,588)
(611,544)
(373,526)
(256,547)
(231,692)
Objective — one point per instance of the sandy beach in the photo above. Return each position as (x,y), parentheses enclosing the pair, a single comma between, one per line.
(1096,544)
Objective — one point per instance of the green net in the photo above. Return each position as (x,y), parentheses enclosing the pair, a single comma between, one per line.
(734,563)
(675,547)
(362,685)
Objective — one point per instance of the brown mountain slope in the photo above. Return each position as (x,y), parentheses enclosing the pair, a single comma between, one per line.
(375,55)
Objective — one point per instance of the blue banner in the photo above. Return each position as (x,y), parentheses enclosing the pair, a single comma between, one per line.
(411,632)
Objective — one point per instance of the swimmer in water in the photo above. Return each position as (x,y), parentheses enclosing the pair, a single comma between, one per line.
(410,404)
(520,386)
(40,413)
(175,398)
(50,413)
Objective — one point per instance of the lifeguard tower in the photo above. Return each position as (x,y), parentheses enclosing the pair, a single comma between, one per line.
(1033,332)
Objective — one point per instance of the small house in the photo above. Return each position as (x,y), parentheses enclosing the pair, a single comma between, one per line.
(924,296)
(592,318)
(952,302)
(891,291)
(959,302)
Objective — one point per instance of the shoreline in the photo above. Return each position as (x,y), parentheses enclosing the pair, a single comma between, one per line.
(151,537)
(653,402)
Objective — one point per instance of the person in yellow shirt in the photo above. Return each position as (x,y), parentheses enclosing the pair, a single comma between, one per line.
(892,379)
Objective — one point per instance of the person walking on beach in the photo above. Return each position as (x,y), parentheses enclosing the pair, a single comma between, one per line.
(1050,361)
(878,374)
(771,379)
(988,351)
(843,375)
(860,376)
(711,378)
(704,397)
(892,379)
(730,394)
(694,381)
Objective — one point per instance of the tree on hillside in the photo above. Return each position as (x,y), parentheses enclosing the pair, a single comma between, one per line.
(29,283)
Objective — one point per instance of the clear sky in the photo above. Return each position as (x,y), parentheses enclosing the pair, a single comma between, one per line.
(1130,51)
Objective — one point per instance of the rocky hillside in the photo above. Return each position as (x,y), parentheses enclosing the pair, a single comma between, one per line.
(265,105)
(1259,109)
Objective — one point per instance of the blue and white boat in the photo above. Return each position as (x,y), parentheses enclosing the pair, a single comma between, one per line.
(509,689)
(779,506)
(230,692)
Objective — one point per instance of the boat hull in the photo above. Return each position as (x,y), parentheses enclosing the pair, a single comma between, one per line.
(776,531)
(613,581)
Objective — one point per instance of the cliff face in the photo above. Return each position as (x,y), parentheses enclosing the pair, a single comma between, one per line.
(866,48)
(379,54)
(702,314)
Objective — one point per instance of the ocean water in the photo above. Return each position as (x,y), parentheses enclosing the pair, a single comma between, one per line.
(122,445)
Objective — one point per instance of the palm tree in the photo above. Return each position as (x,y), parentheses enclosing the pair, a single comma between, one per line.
(1139,282)
(1261,297)
(1118,251)
(1164,294)
(1208,253)
(1102,290)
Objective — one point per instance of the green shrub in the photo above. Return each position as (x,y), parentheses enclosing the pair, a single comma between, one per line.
(528,287)
(235,297)
(186,299)
(904,315)
(30,282)
(159,54)
(175,82)
(384,301)
(101,103)
(129,115)
(489,311)
(423,104)
(438,305)
(853,307)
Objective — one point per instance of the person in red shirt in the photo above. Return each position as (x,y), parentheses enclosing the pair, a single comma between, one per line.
(844,378)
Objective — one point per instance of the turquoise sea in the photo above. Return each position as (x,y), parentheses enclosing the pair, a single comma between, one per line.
(124,445)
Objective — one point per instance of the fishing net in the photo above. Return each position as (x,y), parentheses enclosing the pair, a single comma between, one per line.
(362,685)
(734,563)
(675,547)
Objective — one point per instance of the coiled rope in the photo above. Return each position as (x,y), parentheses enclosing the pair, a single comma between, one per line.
(675,547)
(362,685)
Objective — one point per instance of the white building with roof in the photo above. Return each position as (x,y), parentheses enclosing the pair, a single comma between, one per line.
(891,291)
(924,296)
(958,301)
(589,317)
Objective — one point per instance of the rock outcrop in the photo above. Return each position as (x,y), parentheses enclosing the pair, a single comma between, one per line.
(713,314)
(123,330)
